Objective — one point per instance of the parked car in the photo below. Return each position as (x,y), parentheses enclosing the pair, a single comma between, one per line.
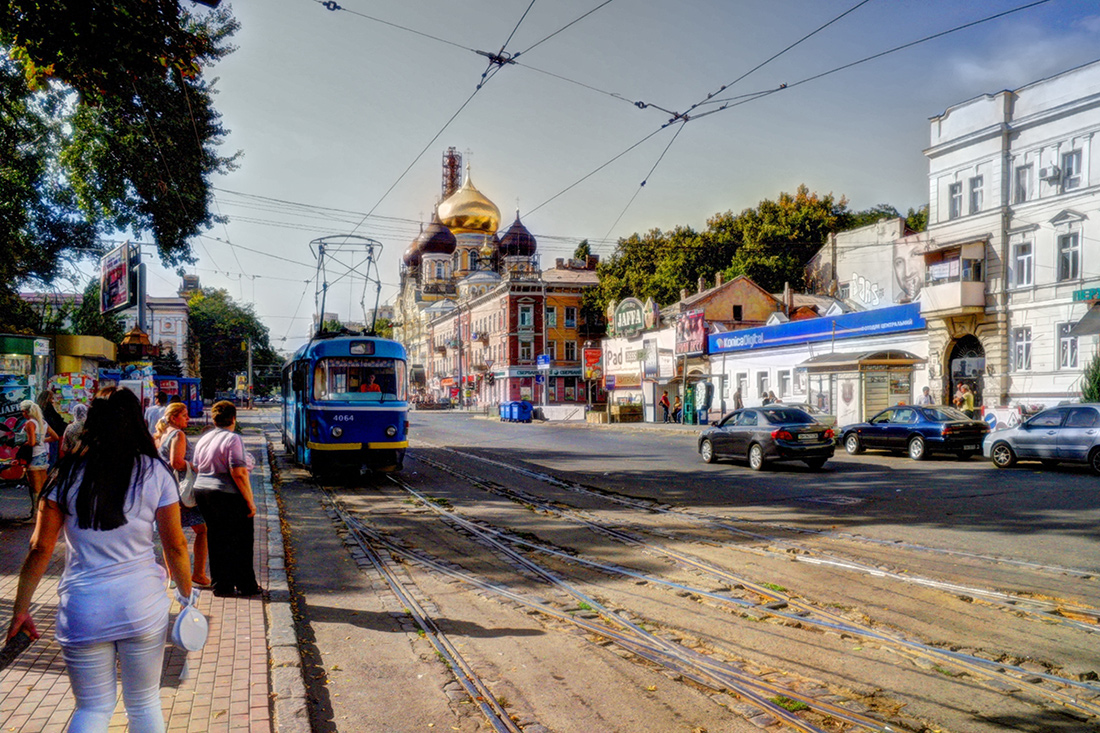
(819,415)
(761,435)
(919,431)
(1069,434)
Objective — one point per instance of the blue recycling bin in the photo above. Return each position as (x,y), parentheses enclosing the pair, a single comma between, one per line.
(508,411)
(523,411)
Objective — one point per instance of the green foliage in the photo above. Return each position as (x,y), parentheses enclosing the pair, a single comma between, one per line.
(168,364)
(1090,380)
(384,328)
(917,219)
(788,704)
(582,251)
(858,219)
(88,321)
(220,326)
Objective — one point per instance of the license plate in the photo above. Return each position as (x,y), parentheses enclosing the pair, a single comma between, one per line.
(970,447)
(807,436)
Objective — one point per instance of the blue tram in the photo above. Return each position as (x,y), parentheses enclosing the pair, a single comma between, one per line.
(345,404)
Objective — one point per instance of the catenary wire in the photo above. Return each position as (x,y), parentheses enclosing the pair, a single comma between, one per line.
(564,27)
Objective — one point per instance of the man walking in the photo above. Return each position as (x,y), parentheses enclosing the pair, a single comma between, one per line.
(155,412)
(664,404)
(925,397)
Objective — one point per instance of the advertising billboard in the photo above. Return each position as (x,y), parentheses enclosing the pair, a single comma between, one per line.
(691,334)
(115,293)
(593,364)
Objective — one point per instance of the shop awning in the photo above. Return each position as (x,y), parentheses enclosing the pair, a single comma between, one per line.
(856,360)
(1089,323)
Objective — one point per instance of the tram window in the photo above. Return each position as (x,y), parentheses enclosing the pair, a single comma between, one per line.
(359,380)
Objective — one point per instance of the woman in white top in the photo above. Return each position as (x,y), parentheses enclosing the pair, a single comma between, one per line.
(107,498)
(38,434)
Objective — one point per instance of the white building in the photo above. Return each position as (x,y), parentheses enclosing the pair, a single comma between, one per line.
(1014,240)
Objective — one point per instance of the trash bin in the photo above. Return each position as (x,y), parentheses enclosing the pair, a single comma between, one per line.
(504,411)
(523,411)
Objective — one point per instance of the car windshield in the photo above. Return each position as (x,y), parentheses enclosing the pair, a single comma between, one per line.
(944,414)
(785,415)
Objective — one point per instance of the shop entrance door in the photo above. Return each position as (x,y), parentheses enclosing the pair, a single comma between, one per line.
(966,365)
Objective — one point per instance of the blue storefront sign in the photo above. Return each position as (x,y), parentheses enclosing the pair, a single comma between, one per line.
(894,319)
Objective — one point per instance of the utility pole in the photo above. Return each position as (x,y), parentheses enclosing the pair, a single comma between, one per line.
(250,372)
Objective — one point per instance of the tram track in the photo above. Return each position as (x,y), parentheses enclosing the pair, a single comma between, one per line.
(997,675)
(1056,611)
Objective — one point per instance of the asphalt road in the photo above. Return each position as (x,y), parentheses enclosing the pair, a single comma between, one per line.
(1047,516)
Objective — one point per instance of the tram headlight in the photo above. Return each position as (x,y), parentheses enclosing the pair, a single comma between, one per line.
(391,431)
(337,431)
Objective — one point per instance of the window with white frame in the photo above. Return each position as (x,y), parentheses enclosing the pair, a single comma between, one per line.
(1023,265)
(784,384)
(552,317)
(1067,347)
(1071,170)
(1021,349)
(954,200)
(1023,184)
(570,350)
(526,350)
(440,271)
(1069,256)
(570,317)
(552,350)
(976,194)
(762,384)
(527,317)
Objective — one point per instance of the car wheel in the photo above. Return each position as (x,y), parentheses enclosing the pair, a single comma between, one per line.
(917,449)
(1002,456)
(852,444)
(816,463)
(965,455)
(706,450)
(756,457)
(1094,460)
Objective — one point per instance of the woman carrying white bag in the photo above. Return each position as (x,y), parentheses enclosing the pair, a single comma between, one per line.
(174,449)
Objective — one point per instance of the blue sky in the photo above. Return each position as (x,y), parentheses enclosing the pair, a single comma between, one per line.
(330,107)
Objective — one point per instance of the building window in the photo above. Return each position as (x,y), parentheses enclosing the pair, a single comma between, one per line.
(955,200)
(784,384)
(1023,184)
(738,311)
(1069,257)
(440,271)
(843,291)
(570,350)
(570,317)
(526,317)
(1023,265)
(552,317)
(976,194)
(1021,349)
(526,350)
(762,384)
(1071,170)
(1067,347)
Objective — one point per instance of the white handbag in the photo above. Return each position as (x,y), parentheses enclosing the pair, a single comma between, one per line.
(187,487)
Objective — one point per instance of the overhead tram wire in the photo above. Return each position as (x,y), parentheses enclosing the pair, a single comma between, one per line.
(564,27)
(333,6)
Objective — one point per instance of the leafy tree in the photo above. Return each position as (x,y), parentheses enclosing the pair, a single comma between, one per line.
(582,251)
(384,328)
(88,321)
(1090,381)
(917,219)
(857,219)
(221,327)
(105,121)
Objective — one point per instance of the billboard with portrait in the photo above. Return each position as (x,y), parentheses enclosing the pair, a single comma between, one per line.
(691,334)
(115,293)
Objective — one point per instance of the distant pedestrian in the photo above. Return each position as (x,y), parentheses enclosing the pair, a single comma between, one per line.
(71,437)
(925,397)
(764,399)
(107,497)
(47,402)
(156,412)
(772,399)
(39,436)
(957,400)
(967,401)
(738,402)
(678,409)
(663,402)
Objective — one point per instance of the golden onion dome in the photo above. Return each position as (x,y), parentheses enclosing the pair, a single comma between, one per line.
(468,210)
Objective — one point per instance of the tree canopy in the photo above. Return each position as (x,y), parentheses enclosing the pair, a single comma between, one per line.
(106,123)
(222,326)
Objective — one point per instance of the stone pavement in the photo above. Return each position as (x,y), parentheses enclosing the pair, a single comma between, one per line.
(229,686)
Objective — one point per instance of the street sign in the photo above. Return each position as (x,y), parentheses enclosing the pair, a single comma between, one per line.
(542,361)
(489,363)
(539,378)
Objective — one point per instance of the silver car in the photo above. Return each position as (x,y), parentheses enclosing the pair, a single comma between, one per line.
(1066,434)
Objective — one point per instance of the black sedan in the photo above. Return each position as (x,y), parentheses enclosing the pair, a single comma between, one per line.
(764,434)
(919,431)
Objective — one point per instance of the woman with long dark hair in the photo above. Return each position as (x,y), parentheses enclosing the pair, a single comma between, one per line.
(107,498)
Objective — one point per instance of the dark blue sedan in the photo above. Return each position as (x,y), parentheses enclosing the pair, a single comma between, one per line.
(761,435)
(917,430)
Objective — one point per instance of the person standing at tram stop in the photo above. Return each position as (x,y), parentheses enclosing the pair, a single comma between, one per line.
(155,412)
(663,402)
(925,398)
(174,450)
(106,498)
(47,401)
(39,434)
(967,401)
(223,492)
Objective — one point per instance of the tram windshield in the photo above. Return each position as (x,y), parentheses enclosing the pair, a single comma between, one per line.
(359,380)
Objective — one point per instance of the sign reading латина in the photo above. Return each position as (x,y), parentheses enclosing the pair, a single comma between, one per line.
(629,317)
(876,322)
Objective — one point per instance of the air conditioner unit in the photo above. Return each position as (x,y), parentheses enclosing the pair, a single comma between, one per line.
(1051,173)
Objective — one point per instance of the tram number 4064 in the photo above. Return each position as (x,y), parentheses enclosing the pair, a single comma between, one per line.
(343,418)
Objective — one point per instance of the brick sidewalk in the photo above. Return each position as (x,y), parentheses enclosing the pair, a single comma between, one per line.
(228,687)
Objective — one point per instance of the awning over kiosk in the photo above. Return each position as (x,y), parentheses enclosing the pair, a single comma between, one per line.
(858,360)
(1089,323)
